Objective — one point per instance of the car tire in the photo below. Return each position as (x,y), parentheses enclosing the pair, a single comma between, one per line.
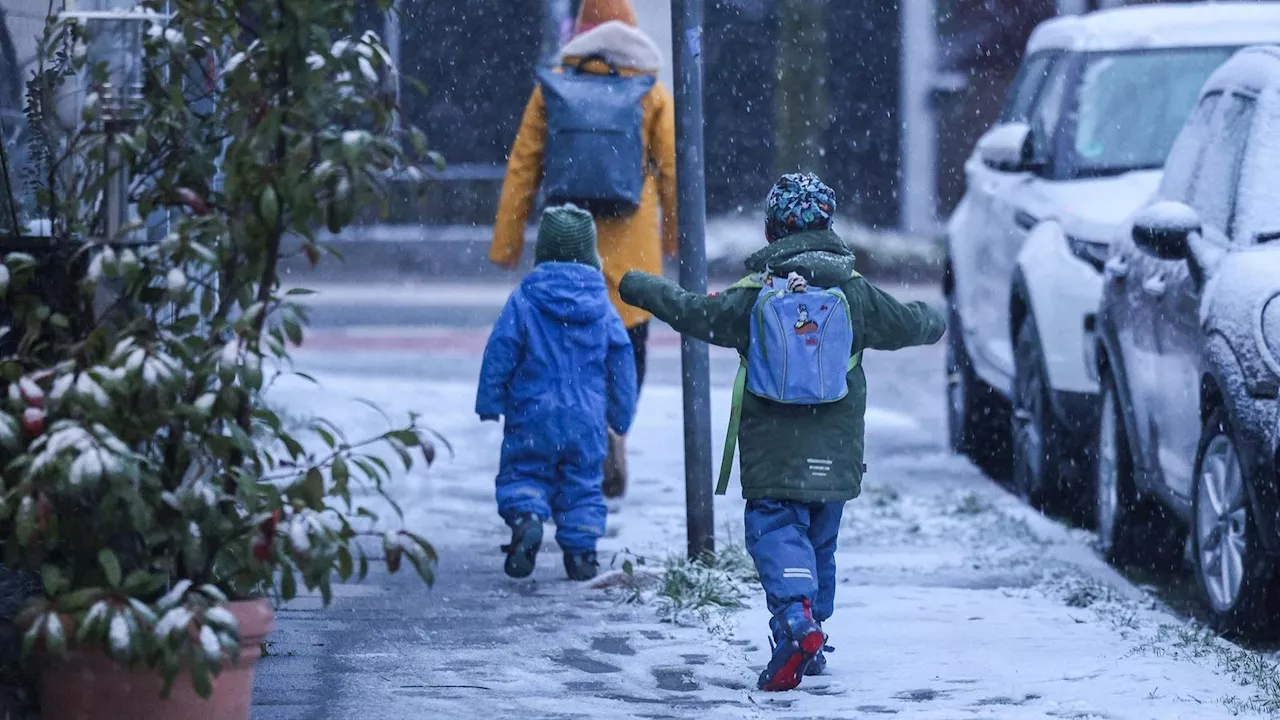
(1046,473)
(977,416)
(1133,531)
(1235,575)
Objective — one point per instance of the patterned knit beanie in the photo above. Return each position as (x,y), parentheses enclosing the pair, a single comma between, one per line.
(567,233)
(798,202)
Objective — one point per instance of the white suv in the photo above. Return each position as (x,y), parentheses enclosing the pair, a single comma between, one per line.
(1079,145)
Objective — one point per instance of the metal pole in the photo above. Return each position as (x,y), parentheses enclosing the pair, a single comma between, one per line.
(686,22)
(918,149)
(391,39)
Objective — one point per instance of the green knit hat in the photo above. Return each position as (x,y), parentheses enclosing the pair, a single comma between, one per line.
(567,234)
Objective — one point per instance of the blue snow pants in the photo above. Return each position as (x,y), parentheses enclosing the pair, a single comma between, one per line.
(554,468)
(794,547)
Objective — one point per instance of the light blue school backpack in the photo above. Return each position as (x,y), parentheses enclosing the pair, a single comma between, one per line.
(799,353)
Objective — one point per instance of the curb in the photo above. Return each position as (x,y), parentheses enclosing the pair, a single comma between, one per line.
(1063,545)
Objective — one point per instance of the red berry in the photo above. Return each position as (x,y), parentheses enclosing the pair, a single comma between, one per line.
(268,526)
(261,548)
(33,421)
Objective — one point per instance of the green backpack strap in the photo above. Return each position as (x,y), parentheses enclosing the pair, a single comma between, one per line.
(735,421)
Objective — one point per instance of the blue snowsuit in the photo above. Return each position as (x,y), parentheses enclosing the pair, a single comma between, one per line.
(558,366)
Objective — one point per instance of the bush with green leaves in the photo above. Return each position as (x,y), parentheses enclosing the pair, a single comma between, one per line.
(145,478)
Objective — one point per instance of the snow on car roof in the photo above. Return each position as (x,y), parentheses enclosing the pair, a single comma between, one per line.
(1161,26)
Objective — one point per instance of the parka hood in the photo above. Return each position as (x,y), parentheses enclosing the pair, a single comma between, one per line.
(820,256)
(618,43)
(569,292)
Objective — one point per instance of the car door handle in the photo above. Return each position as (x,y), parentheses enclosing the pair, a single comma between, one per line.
(1154,285)
(1116,267)
(1025,220)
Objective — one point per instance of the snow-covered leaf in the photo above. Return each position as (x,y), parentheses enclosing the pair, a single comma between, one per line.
(173,621)
(209,644)
(174,596)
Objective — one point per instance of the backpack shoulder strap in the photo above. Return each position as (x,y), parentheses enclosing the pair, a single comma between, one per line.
(731,435)
(856,360)
(753,281)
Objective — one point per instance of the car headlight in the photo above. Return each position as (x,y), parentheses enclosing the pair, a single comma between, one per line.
(1094,253)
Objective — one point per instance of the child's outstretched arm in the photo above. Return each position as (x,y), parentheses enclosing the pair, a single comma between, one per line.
(720,319)
(891,325)
(501,355)
(621,367)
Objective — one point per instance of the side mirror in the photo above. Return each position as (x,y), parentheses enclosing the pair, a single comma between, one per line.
(1164,228)
(1006,147)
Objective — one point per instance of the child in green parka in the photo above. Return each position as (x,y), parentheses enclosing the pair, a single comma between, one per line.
(800,463)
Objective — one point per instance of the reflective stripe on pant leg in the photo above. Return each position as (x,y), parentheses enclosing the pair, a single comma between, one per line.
(777,538)
(824,530)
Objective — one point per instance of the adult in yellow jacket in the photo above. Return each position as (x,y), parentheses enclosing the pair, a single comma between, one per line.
(606,29)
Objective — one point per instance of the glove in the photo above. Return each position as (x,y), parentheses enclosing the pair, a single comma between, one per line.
(489,418)
(796,283)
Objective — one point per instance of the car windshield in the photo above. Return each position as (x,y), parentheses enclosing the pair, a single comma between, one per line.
(1133,104)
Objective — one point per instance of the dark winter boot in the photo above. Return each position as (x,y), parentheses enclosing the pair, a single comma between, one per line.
(615,467)
(581,566)
(522,552)
(801,641)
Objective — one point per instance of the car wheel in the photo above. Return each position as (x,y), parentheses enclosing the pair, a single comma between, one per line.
(1132,530)
(977,417)
(1045,471)
(1235,575)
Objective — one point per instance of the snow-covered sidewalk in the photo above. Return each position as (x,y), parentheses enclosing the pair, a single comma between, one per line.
(955,600)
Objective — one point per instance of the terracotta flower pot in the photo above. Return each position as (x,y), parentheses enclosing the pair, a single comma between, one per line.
(87,685)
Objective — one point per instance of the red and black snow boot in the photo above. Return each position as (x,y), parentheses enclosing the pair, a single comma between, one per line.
(793,654)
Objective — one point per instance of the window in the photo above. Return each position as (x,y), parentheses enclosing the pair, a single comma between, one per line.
(1026,87)
(1132,105)
(1213,192)
(1048,110)
(1184,158)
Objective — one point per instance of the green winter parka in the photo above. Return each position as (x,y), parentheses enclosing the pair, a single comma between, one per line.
(806,453)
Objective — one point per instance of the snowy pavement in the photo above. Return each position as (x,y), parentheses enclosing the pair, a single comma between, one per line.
(955,601)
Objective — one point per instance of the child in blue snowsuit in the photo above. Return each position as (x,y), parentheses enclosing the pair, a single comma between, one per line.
(559,367)
(800,463)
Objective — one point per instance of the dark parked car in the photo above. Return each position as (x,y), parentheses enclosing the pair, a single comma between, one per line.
(1188,354)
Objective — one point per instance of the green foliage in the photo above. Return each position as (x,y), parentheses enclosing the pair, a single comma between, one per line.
(145,477)
(714,582)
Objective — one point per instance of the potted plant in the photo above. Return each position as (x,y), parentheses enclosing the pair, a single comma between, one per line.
(146,479)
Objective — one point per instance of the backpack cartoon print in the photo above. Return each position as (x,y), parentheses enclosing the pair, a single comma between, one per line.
(804,324)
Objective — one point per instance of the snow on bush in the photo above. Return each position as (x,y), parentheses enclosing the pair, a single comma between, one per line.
(146,481)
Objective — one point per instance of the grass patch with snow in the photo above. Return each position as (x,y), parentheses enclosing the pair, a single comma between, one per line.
(684,591)
(1153,635)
